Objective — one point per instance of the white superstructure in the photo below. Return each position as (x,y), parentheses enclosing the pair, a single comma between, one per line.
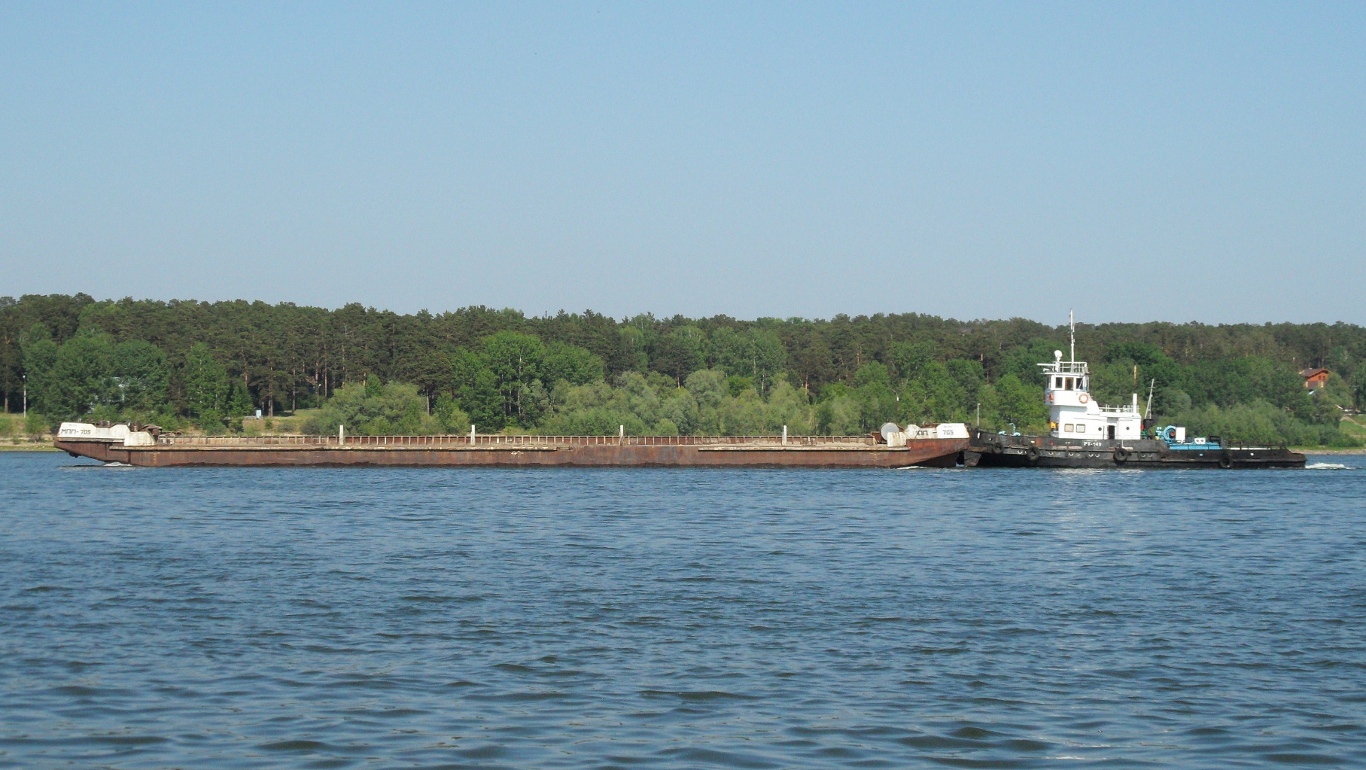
(896,436)
(1072,413)
(114,434)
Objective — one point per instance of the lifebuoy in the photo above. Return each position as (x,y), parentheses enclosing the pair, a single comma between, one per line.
(1083,398)
(1121,454)
(1032,453)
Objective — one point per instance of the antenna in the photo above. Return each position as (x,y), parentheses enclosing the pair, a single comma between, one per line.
(1072,332)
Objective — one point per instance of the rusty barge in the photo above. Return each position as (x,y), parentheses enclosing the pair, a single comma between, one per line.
(934,447)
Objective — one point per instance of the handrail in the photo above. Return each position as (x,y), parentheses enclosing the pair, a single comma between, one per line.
(1064,367)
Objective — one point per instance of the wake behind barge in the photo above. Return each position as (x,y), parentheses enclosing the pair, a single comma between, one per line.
(940,447)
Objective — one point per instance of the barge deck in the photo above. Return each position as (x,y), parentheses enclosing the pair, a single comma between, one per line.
(513,451)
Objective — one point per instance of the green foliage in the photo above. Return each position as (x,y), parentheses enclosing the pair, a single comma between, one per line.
(598,409)
(39,357)
(754,353)
(1358,388)
(877,402)
(476,390)
(708,386)
(569,363)
(395,408)
(80,377)
(206,387)
(1352,430)
(139,376)
(508,380)
(909,358)
(1260,423)
(239,401)
(789,406)
(36,423)
(970,377)
(737,384)
(839,415)
(679,352)
(1023,362)
(1243,380)
(1151,362)
(1336,392)
(89,373)
(1114,383)
(652,405)
(449,415)
(935,395)
(1018,403)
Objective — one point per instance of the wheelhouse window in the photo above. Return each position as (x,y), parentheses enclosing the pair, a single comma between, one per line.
(1068,386)
(1067,428)
(1057,382)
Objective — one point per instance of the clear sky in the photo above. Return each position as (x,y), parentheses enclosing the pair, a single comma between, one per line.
(1178,162)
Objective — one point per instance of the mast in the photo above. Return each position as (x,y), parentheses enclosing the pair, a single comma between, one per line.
(1072,332)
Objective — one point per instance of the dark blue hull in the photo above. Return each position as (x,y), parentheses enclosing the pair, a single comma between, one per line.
(992,450)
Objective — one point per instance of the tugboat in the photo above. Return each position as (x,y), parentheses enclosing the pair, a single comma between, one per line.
(1085,434)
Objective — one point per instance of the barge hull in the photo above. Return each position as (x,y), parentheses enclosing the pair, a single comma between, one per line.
(928,452)
(987,450)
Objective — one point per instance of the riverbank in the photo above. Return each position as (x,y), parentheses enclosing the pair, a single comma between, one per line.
(28,446)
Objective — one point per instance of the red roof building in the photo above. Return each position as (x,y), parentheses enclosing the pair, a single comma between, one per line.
(1314,378)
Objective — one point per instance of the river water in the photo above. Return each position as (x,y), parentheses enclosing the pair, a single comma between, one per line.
(250,618)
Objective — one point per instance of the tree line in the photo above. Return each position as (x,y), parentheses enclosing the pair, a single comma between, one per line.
(187,363)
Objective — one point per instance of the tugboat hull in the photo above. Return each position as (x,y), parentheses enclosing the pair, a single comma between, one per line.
(992,450)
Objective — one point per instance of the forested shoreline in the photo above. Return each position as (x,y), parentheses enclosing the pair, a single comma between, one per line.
(203,366)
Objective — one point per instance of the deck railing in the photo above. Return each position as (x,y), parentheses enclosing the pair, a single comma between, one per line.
(1064,367)
(498,440)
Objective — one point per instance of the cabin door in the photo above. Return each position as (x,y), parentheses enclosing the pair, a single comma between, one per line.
(1110,432)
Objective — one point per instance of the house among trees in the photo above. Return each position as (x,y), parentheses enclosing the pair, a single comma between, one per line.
(1314,378)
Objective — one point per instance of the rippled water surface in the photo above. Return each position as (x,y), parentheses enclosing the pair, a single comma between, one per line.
(680,618)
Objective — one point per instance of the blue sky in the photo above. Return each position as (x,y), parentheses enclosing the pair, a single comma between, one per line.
(1177,162)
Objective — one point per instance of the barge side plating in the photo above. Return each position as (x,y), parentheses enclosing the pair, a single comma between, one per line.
(143,449)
